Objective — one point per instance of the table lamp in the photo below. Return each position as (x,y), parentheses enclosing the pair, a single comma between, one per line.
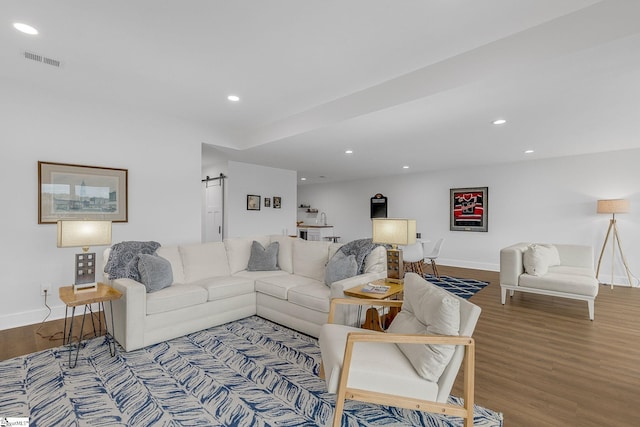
(394,231)
(73,234)
(613,207)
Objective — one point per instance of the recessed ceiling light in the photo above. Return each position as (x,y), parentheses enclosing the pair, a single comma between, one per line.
(405,167)
(27,29)
(234,98)
(303,179)
(499,122)
(528,151)
(348,152)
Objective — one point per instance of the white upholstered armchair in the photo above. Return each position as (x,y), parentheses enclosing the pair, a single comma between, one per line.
(397,367)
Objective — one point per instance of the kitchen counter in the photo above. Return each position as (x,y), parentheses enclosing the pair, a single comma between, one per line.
(314,231)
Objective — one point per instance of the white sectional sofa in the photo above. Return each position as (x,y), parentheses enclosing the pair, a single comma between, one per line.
(571,275)
(211,286)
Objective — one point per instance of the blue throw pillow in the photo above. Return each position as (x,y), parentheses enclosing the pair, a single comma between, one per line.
(340,266)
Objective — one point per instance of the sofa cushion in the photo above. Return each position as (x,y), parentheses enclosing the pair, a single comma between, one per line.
(172,254)
(175,297)
(239,251)
(376,261)
(155,272)
(400,379)
(340,266)
(315,296)
(263,259)
(219,288)
(285,253)
(204,260)
(278,286)
(565,283)
(310,258)
(427,309)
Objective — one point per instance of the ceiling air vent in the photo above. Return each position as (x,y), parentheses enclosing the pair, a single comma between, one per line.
(39,58)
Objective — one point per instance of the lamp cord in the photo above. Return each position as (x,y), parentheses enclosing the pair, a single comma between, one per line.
(56,335)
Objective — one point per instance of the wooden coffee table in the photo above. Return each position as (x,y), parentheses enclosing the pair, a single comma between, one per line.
(373,320)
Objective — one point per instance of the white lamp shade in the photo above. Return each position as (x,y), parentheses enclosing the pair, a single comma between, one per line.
(83,233)
(613,206)
(394,231)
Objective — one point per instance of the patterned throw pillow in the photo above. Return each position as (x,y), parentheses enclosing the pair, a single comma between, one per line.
(123,262)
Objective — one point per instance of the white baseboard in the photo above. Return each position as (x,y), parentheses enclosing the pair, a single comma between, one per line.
(31,317)
(468,264)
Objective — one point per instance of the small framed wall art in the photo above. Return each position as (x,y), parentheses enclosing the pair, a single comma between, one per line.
(253,202)
(277,202)
(468,209)
(267,202)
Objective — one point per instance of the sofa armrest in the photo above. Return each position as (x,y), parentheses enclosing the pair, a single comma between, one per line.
(511,266)
(129,313)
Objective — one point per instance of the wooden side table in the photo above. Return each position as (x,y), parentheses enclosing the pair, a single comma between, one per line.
(99,296)
(373,320)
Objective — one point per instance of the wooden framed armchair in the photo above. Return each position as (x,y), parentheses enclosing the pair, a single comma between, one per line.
(369,366)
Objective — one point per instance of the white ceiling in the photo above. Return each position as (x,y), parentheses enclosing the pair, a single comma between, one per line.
(400,82)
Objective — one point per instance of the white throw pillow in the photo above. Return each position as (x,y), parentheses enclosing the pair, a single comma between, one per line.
(427,309)
(538,258)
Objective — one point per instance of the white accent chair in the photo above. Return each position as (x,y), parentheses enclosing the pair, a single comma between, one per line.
(433,256)
(572,278)
(369,366)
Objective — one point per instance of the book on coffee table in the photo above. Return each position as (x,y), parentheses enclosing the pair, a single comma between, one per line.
(375,289)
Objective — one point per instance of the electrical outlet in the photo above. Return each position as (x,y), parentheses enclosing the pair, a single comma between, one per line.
(45,287)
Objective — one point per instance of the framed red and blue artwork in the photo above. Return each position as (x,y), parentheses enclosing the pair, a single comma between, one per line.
(468,209)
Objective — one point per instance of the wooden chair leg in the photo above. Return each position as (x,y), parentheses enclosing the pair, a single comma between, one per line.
(434,268)
(337,415)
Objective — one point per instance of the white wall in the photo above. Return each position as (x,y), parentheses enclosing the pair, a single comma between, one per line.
(162,155)
(540,200)
(263,181)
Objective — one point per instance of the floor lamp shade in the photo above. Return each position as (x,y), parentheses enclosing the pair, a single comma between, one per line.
(613,206)
(394,231)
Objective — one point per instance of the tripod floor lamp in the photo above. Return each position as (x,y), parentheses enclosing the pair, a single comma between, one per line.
(613,207)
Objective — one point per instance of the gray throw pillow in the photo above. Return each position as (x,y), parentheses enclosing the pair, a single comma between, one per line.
(262,259)
(340,266)
(155,272)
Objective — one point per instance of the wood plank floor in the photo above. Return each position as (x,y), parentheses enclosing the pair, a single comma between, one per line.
(540,360)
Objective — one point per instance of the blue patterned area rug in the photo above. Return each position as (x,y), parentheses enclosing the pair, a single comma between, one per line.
(464,288)
(246,373)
